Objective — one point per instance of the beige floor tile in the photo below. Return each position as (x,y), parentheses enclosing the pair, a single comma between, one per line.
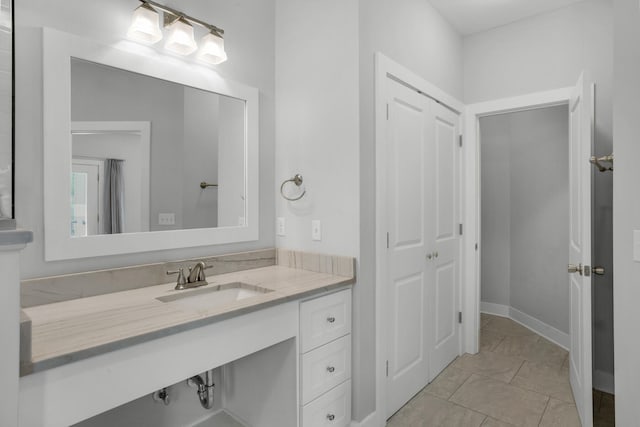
(489,340)
(492,422)
(501,401)
(544,379)
(447,382)
(498,366)
(505,326)
(517,345)
(560,414)
(426,410)
(484,318)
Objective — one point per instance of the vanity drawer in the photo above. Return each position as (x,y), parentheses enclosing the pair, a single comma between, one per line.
(325,367)
(324,319)
(332,409)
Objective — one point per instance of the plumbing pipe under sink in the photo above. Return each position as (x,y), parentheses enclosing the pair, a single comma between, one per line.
(205,388)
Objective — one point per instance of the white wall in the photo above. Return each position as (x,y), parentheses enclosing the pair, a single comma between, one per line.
(200,162)
(249,26)
(545,52)
(525,219)
(495,169)
(627,210)
(412,33)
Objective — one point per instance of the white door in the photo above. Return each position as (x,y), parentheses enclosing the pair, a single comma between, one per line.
(580,148)
(444,286)
(409,130)
(86,197)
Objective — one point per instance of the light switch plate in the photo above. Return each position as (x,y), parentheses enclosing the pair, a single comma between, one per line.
(166,219)
(280,226)
(316,230)
(636,246)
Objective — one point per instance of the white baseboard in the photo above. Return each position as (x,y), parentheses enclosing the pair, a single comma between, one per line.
(369,421)
(546,331)
(495,309)
(604,381)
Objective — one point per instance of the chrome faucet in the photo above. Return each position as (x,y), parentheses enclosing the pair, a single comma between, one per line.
(196,277)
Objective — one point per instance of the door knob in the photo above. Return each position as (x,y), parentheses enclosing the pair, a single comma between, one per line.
(572,268)
(429,256)
(435,254)
(599,271)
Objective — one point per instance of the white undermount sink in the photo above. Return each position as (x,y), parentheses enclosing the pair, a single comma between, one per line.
(214,296)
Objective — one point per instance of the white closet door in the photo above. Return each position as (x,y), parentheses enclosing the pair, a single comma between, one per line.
(444,164)
(580,147)
(409,133)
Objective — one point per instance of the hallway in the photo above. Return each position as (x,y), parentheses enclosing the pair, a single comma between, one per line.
(517,379)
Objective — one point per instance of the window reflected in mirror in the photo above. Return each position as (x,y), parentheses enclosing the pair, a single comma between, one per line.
(152,155)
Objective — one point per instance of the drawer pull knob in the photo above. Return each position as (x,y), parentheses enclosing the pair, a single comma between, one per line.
(331,369)
(331,417)
(331,319)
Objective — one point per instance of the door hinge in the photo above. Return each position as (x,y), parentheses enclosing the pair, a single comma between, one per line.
(460,229)
(459,317)
(460,140)
(387,368)
(387,240)
(387,111)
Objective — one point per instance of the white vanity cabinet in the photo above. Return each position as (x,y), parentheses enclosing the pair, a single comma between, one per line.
(325,360)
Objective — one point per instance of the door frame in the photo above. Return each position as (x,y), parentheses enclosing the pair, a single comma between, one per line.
(472,193)
(387,68)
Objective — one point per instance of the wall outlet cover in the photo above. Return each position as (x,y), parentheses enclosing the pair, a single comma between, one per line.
(280,226)
(316,230)
(166,219)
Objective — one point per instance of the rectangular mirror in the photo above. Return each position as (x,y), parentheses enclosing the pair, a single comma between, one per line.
(6,115)
(143,152)
(152,155)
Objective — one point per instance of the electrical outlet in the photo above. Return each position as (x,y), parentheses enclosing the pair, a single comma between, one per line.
(280,226)
(166,219)
(316,230)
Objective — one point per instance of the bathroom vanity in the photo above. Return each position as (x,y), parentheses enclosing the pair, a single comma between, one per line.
(89,355)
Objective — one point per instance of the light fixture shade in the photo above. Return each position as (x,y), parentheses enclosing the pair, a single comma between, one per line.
(145,25)
(212,49)
(180,38)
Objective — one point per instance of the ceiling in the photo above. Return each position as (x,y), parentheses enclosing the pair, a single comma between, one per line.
(473,16)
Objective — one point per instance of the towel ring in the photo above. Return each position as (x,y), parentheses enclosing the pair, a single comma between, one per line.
(297,180)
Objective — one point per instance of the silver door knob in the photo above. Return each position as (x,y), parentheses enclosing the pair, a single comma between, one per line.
(599,271)
(429,256)
(572,268)
(331,319)
(331,417)
(331,369)
(435,254)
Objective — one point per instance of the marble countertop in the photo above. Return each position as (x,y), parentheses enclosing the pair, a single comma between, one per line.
(72,330)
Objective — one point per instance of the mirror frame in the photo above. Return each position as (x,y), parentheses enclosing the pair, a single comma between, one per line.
(58,49)
(9,223)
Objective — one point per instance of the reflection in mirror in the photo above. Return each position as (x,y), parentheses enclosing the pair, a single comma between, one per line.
(6,112)
(141,147)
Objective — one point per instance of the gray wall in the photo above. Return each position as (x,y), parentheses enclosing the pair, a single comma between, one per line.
(412,33)
(627,210)
(251,47)
(546,52)
(525,213)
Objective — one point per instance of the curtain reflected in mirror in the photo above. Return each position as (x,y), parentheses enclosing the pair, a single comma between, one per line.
(6,114)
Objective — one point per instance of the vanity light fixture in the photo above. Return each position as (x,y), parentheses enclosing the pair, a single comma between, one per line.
(212,49)
(180,37)
(145,28)
(145,25)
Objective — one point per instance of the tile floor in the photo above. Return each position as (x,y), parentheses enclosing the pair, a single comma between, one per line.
(517,379)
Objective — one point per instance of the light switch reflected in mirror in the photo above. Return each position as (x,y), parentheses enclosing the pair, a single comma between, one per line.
(141,146)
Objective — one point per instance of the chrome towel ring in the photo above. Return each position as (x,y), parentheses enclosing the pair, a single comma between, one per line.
(297,180)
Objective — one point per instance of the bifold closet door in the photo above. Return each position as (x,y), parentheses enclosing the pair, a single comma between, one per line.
(409,134)
(444,285)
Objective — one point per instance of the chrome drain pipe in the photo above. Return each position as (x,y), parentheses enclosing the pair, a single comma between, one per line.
(205,388)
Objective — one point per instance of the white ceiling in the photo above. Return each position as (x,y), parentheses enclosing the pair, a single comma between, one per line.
(473,16)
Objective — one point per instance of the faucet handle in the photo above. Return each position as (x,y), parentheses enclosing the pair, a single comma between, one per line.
(182,280)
